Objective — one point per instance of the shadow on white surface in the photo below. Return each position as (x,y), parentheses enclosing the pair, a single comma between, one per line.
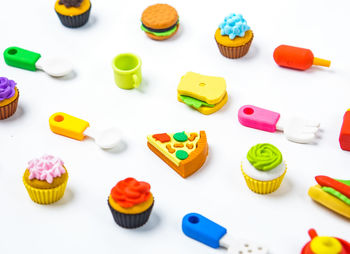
(331,212)
(252,53)
(143,86)
(67,198)
(285,187)
(91,22)
(68,77)
(121,147)
(153,222)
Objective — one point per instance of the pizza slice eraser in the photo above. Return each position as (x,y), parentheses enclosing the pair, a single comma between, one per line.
(325,245)
(185,152)
(297,58)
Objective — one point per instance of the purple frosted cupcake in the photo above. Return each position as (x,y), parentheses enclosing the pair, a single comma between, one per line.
(8,97)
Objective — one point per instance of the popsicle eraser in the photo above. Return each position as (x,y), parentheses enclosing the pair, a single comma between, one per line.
(202,229)
(67,125)
(21,58)
(297,58)
(258,118)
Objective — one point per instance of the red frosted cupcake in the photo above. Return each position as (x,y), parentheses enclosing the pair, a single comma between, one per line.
(131,203)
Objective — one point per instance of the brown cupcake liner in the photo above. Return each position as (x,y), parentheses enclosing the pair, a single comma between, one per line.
(9,109)
(131,220)
(75,21)
(235,52)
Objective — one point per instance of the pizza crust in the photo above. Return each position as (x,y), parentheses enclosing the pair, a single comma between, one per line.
(194,161)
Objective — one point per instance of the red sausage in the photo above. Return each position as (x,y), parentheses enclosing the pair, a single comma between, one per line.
(330,182)
(293,57)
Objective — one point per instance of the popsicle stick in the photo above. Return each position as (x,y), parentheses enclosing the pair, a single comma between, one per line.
(321,62)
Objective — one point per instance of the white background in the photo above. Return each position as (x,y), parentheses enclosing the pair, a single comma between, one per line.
(81,221)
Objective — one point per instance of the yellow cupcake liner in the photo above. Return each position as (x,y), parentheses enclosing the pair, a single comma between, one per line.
(45,196)
(263,187)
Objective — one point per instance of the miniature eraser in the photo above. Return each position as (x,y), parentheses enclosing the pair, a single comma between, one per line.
(344,137)
(202,229)
(67,125)
(258,118)
(297,58)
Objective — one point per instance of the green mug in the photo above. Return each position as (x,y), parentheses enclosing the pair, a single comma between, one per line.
(127,70)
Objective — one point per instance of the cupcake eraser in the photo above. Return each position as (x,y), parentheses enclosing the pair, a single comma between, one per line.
(325,245)
(32,61)
(295,129)
(8,97)
(185,152)
(73,13)
(131,203)
(160,21)
(234,36)
(263,168)
(344,137)
(297,58)
(75,128)
(333,194)
(207,94)
(204,230)
(45,179)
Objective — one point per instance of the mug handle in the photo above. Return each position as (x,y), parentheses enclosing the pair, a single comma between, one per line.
(136,79)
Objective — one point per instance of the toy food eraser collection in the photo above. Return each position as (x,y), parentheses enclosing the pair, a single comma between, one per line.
(185,152)
(333,194)
(206,94)
(160,21)
(295,129)
(202,229)
(234,36)
(32,61)
(45,179)
(131,201)
(8,97)
(325,245)
(73,13)
(297,58)
(263,168)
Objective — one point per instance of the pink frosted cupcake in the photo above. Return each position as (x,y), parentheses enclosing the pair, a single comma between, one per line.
(45,179)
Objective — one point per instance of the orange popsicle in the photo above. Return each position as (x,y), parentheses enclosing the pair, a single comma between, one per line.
(297,58)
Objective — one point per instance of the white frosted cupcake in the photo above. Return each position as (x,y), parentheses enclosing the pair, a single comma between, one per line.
(263,168)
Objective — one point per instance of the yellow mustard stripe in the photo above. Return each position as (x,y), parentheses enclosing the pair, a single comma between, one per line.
(72,11)
(139,208)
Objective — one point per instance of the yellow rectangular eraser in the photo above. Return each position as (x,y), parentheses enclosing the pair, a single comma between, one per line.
(67,125)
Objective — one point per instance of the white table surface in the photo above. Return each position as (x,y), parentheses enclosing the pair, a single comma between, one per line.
(81,221)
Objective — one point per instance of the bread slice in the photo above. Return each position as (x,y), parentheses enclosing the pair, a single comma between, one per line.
(329,201)
(196,157)
(209,89)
